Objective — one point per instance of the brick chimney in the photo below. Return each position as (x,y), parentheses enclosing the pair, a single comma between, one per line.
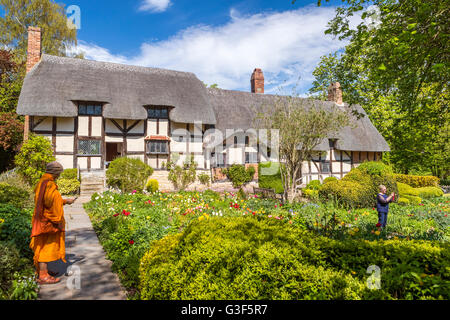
(257,81)
(33,57)
(335,93)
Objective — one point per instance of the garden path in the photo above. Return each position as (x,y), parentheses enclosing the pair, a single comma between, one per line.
(87,274)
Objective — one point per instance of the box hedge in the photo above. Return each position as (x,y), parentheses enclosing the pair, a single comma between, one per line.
(250,258)
(417,181)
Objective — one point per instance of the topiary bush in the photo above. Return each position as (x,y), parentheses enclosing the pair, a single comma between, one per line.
(404,189)
(429,192)
(272,181)
(417,181)
(413,199)
(403,201)
(152,185)
(350,194)
(375,168)
(33,157)
(128,174)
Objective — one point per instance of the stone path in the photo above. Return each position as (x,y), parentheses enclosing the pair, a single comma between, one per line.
(87,274)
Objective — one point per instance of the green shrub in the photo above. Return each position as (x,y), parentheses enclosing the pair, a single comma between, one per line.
(429,192)
(69,174)
(375,168)
(128,174)
(13,195)
(152,185)
(403,201)
(329,179)
(413,199)
(182,176)
(272,181)
(239,175)
(417,181)
(311,194)
(404,189)
(240,258)
(68,186)
(349,194)
(204,179)
(314,185)
(245,258)
(16,228)
(33,157)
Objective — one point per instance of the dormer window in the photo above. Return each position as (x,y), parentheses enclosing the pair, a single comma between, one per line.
(158,113)
(89,109)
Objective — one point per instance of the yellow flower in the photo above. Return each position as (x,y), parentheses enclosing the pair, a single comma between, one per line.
(395,238)
(377,233)
(353,272)
(201,218)
(148,217)
(2,221)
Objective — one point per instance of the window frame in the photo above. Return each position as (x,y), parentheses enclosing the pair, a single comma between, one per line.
(161,142)
(159,116)
(89,154)
(97,110)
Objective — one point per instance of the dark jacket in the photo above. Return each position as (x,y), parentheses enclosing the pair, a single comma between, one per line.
(382,203)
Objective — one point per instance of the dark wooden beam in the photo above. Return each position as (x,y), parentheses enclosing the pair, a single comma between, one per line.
(117,125)
(75,144)
(132,126)
(54,134)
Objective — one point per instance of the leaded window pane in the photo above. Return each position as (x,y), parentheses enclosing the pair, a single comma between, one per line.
(82,109)
(89,147)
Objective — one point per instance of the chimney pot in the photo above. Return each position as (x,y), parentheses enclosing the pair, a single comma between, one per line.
(257,81)
(335,93)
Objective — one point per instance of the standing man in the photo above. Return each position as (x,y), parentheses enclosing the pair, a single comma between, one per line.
(383,206)
(48,224)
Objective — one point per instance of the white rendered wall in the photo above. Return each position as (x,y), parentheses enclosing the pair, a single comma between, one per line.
(83,126)
(97,126)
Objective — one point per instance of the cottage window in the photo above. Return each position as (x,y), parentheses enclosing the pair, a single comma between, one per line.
(158,147)
(251,157)
(158,113)
(88,109)
(247,141)
(89,147)
(325,167)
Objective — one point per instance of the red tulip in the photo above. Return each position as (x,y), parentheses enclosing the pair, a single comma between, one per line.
(115,215)
(378,225)
(131,242)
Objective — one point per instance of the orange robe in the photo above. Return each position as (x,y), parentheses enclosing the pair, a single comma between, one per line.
(50,247)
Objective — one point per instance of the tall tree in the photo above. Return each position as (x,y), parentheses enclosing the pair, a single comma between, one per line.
(57,37)
(302,124)
(398,70)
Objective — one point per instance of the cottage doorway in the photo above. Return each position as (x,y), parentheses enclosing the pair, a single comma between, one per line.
(113,150)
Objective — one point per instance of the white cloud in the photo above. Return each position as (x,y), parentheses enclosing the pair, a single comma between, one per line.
(155,5)
(285,45)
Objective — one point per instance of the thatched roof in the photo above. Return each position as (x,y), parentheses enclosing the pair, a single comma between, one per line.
(235,110)
(55,83)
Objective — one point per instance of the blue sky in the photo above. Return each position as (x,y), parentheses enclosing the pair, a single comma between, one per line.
(221,41)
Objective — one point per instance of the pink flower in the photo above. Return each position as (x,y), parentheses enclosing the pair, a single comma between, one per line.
(269,216)
(275,206)
(134,191)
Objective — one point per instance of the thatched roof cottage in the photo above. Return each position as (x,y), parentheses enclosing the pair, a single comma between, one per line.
(96,111)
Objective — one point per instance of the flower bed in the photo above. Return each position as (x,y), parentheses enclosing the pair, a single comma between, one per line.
(128,225)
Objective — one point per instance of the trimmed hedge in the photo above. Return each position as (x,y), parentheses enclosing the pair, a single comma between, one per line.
(270,181)
(246,258)
(70,174)
(430,192)
(68,186)
(417,181)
